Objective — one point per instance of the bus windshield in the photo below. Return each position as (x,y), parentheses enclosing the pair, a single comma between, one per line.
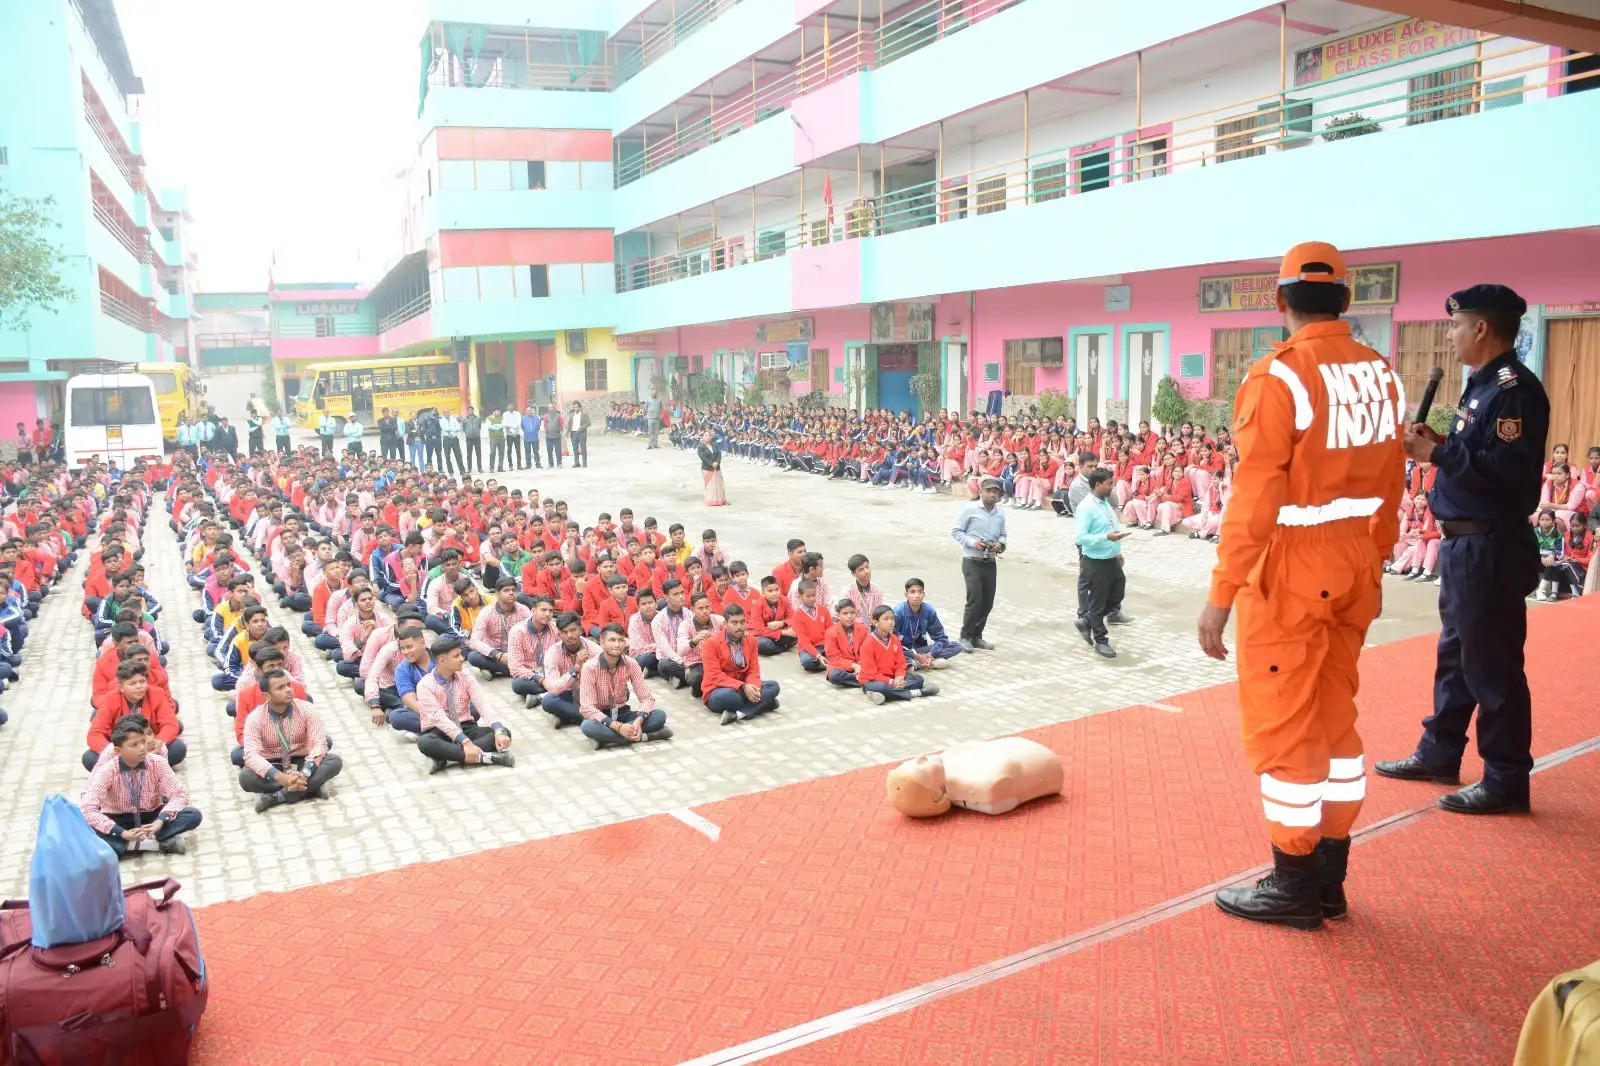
(127,406)
(164,382)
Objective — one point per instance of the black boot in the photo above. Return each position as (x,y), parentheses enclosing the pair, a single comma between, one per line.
(1335,860)
(1290,895)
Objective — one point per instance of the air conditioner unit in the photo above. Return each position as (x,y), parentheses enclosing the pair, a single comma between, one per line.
(774,360)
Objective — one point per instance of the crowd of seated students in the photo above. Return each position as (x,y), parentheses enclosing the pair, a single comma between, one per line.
(424,590)
(1566,523)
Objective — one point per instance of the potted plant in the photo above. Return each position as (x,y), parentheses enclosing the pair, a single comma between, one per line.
(1354,124)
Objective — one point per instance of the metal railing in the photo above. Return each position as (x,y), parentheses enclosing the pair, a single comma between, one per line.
(259,339)
(110,138)
(1215,137)
(689,18)
(334,328)
(419,305)
(508,72)
(852,50)
(118,228)
(140,318)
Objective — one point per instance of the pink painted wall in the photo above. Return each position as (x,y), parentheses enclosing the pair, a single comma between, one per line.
(324,347)
(831,330)
(828,275)
(827,120)
(407,333)
(18,403)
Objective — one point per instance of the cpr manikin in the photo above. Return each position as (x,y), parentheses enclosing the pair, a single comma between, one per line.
(989,776)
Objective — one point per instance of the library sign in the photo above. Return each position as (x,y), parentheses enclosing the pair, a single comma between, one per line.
(1380,47)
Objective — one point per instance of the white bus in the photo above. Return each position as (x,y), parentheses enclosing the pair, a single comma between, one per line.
(112,416)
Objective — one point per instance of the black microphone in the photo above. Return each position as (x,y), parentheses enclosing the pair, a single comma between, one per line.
(1435,376)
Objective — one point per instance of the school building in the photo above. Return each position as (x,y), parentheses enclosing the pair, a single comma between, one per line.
(982,203)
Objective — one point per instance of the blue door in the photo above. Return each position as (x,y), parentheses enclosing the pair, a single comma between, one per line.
(894,391)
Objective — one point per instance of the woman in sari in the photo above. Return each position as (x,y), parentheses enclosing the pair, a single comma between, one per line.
(716,494)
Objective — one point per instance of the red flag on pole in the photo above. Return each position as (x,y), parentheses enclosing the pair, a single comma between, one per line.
(827,198)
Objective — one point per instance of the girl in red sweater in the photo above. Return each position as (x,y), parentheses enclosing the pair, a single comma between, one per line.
(884,672)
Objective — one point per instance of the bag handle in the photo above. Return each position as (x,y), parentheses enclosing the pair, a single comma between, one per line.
(168,886)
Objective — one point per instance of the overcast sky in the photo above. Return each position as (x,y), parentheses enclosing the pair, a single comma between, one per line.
(287,123)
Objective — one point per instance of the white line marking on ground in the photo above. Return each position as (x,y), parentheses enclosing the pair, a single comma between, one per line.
(898,1003)
(698,823)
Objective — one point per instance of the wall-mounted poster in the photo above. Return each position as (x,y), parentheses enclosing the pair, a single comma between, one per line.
(1374,331)
(919,322)
(901,323)
(1375,285)
(1239,292)
(882,324)
(1395,43)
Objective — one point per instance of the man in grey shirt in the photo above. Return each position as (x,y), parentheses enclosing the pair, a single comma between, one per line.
(652,417)
(472,431)
(981,532)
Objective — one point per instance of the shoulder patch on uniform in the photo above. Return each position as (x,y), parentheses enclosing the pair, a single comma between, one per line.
(1508,429)
(1506,378)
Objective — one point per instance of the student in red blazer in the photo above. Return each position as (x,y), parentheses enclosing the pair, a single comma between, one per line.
(810,622)
(883,663)
(732,684)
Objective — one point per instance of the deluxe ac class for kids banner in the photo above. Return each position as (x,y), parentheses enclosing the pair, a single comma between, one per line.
(1379,47)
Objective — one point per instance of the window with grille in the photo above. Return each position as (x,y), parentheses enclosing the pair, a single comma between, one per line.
(1049,181)
(325,326)
(771,243)
(1419,347)
(819,232)
(577,342)
(1151,159)
(1231,355)
(955,198)
(991,195)
(1236,139)
(1036,351)
(594,375)
(1442,94)
(1019,377)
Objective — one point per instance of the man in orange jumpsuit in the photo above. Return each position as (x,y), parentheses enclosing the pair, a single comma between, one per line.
(1315,510)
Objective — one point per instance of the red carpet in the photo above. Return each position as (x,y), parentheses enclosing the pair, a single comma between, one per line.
(649,943)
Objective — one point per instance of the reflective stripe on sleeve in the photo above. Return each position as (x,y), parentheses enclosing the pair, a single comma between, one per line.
(1297,389)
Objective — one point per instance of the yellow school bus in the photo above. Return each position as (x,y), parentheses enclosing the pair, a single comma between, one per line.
(177,392)
(367,386)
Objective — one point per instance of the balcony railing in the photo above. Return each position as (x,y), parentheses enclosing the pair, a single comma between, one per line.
(334,328)
(140,318)
(507,72)
(1216,137)
(688,18)
(259,339)
(117,227)
(121,155)
(406,312)
(849,51)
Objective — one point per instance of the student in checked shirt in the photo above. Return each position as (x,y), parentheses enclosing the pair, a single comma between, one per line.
(491,633)
(562,664)
(883,663)
(134,801)
(641,633)
(380,688)
(413,665)
(439,595)
(263,657)
(703,625)
(733,685)
(603,685)
(862,592)
(530,641)
(448,701)
(671,630)
(286,756)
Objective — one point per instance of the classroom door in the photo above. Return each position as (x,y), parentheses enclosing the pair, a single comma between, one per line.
(956,397)
(1092,351)
(1146,359)
(1572,378)
(897,363)
(644,372)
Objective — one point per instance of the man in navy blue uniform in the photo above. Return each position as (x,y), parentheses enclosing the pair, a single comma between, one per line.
(1489,472)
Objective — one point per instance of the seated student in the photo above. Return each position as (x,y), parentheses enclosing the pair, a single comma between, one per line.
(768,619)
(530,641)
(613,605)
(843,647)
(135,695)
(671,630)
(225,616)
(439,594)
(811,566)
(862,592)
(811,622)
(490,638)
(883,663)
(603,684)
(234,652)
(732,684)
(134,802)
(126,647)
(295,594)
(414,664)
(450,703)
(380,687)
(248,695)
(703,625)
(740,591)
(355,632)
(921,634)
(317,623)
(286,756)
(562,664)
(641,634)
(464,610)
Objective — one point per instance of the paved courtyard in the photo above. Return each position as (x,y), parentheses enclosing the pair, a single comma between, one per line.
(388,812)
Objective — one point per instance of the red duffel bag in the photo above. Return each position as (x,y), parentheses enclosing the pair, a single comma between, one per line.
(129,999)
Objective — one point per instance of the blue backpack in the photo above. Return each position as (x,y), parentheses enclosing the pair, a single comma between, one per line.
(74,886)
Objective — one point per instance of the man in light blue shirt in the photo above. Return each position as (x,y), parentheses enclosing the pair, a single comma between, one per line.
(353,429)
(530,438)
(1099,538)
(450,431)
(981,532)
(280,432)
(186,435)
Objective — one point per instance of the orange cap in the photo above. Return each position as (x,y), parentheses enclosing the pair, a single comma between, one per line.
(1313,261)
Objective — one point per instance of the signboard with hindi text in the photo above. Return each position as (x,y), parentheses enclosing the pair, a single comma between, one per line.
(1381,46)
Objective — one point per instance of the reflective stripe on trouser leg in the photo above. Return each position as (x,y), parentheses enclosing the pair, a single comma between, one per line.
(1291,804)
